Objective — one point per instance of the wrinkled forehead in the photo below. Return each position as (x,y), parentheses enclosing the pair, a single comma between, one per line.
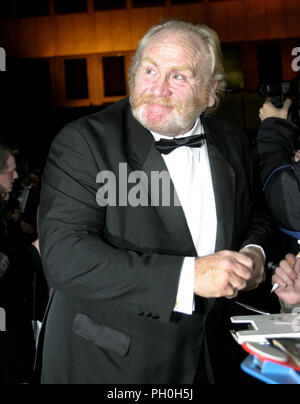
(184,47)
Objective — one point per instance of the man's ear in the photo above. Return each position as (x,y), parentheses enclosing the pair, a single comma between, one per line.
(211,99)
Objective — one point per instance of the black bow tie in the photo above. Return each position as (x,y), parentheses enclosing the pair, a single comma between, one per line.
(166,146)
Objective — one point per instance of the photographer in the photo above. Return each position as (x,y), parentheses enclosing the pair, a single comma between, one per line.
(279,162)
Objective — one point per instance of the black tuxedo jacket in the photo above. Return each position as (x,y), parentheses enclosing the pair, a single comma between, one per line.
(115,269)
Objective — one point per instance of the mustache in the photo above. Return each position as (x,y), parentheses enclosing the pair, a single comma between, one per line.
(150,99)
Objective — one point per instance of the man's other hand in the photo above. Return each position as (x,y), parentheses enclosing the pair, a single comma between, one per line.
(258,268)
(222,274)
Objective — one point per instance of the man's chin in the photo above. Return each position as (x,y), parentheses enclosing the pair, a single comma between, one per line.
(155,125)
(155,120)
(167,122)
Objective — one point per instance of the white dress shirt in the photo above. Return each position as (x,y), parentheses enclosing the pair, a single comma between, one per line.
(190,172)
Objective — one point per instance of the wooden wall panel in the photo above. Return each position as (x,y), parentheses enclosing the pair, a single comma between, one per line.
(26,38)
(101,80)
(94,79)
(180,12)
(276,21)
(103,31)
(57,82)
(256,19)
(139,22)
(196,13)
(84,35)
(121,30)
(218,19)
(237,29)
(157,14)
(293,17)
(9,38)
(64,34)
(45,40)
(250,67)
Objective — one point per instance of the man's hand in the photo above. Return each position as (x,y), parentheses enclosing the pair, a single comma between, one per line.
(258,268)
(222,274)
(269,111)
(296,156)
(287,275)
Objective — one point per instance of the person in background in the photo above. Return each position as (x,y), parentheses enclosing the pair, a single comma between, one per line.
(278,151)
(16,343)
(8,175)
(8,171)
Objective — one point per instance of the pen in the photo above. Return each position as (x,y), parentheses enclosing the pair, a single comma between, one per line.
(276,286)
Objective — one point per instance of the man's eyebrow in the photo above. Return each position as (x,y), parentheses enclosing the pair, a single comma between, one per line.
(183,68)
(149,60)
(174,68)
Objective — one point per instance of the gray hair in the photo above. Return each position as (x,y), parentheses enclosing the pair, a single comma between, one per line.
(213,64)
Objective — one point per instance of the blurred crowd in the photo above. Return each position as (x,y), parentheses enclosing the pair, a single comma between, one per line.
(23,288)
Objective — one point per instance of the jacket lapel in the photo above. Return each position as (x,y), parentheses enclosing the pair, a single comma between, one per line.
(144,156)
(224,184)
(172,214)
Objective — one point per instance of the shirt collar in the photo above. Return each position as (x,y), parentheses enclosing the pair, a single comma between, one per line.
(196,130)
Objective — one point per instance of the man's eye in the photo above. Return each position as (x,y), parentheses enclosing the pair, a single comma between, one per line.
(150,71)
(178,77)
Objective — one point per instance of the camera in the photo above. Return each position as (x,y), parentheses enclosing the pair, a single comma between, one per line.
(278,92)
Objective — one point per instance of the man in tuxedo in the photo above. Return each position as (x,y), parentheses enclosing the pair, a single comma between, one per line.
(140,283)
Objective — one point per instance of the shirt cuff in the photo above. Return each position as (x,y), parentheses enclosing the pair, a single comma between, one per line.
(257,246)
(185,295)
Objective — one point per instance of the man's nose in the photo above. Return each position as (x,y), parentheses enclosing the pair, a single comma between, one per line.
(16,175)
(161,87)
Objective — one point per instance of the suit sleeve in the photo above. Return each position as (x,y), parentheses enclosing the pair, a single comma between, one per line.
(77,260)
(260,223)
(280,176)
